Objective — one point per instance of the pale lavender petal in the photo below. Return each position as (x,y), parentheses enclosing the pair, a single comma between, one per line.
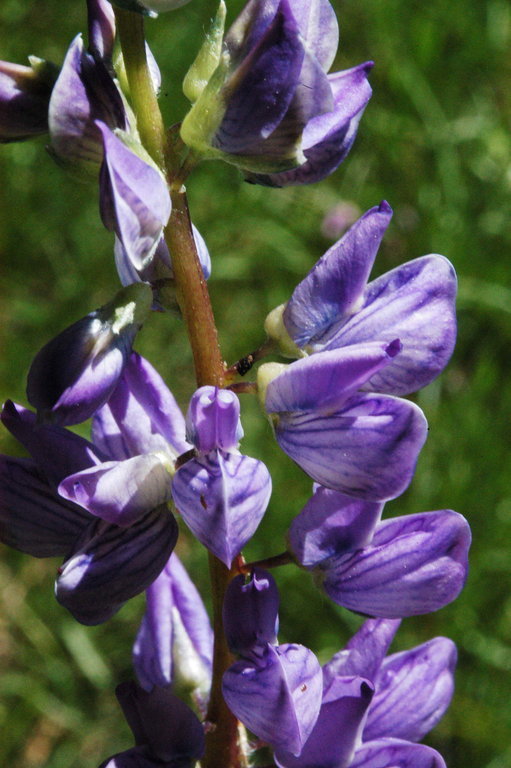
(394,753)
(213,420)
(368,449)
(333,290)
(56,451)
(262,87)
(172,597)
(83,93)
(415,302)
(337,730)
(134,199)
(120,492)
(318,25)
(364,652)
(24,98)
(279,697)
(222,498)
(323,383)
(250,612)
(413,690)
(33,519)
(141,416)
(101,23)
(415,564)
(331,523)
(111,565)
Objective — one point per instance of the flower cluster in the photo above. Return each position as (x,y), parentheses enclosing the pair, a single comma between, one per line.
(263,100)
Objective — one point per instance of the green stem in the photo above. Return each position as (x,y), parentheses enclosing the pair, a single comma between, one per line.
(130,27)
(223,744)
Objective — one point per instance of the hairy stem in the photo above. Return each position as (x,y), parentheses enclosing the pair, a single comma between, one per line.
(130,27)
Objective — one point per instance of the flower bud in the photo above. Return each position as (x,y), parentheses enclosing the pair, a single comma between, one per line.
(75,373)
(250,613)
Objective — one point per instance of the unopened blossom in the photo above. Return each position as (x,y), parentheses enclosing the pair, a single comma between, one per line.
(221,494)
(105,565)
(362,444)
(75,373)
(275,690)
(268,106)
(374,708)
(134,198)
(335,306)
(402,566)
(167,733)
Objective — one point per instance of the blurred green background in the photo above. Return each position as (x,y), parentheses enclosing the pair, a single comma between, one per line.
(435,142)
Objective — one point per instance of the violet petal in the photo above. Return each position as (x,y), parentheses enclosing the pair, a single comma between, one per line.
(279,697)
(394,753)
(222,498)
(250,612)
(415,564)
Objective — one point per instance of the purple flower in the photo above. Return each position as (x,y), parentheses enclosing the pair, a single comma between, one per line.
(76,372)
(403,566)
(142,431)
(269,106)
(275,690)
(105,565)
(167,733)
(175,639)
(374,709)
(335,306)
(101,24)
(364,445)
(221,494)
(24,97)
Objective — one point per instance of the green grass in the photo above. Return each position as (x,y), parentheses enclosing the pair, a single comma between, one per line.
(435,142)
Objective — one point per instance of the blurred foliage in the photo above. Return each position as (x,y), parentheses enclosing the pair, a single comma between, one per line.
(435,141)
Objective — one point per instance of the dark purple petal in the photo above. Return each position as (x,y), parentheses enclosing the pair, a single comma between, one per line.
(337,730)
(333,290)
(327,138)
(164,723)
(368,449)
(33,519)
(331,523)
(77,371)
(413,690)
(323,383)
(279,697)
(101,23)
(394,753)
(56,451)
(415,302)
(175,629)
(83,93)
(213,420)
(134,199)
(141,416)
(222,498)
(24,98)
(250,612)
(364,652)
(415,564)
(136,757)
(262,86)
(111,565)
(120,492)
